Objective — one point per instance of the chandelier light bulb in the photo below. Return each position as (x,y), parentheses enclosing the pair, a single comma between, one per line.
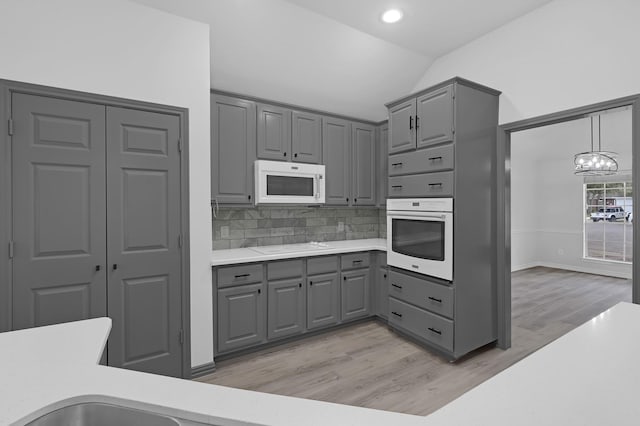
(581,161)
(594,159)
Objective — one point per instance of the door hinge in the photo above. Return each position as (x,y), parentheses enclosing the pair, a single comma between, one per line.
(181,337)
(180,145)
(180,240)
(10,127)
(10,249)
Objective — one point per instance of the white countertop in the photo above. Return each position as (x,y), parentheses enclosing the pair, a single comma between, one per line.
(291,251)
(588,377)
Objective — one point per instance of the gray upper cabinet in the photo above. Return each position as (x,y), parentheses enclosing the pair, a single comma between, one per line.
(306,137)
(274,133)
(233,142)
(364,165)
(435,117)
(402,127)
(286,309)
(336,146)
(382,172)
(241,317)
(355,294)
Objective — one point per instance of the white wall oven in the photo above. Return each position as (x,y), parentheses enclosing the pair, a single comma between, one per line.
(280,182)
(420,235)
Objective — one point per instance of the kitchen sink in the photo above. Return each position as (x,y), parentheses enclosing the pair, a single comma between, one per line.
(291,248)
(100,414)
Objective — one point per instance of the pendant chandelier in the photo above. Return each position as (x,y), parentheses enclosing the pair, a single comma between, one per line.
(595,163)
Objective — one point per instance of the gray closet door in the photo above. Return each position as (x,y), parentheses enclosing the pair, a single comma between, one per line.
(435,115)
(336,136)
(144,261)
(306,137)
(274,133)
(58,211)
(364,165)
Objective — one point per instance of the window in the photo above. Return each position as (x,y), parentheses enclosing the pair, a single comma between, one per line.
(608,224)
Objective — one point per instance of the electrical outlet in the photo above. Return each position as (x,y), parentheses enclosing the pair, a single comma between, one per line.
(224,231)
(340,226)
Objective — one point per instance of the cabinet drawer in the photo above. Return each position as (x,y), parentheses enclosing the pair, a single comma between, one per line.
(355,260)
(435,297)
(422,161)
(438,184)
(424,324)
(284,269)
(322,265)
(241,274)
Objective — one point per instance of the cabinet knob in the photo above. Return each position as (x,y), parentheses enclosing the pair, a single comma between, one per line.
(97,268)
(285,154)
(347,199)
(344,278)
(259,291)
(300,285)
(385,275)
(295,155)
(355,200)
(115,266)
(249,197)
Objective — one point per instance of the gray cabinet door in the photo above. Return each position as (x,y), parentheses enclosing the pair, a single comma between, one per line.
(364,165)
(59,211)
(274,133)
(355,294)
(382,290)
(402,125)
(382,172)
(143,223)
(336,147)
(322,300)
(233,149)
(435,117)
(286,308)
(306,137)
(241,317)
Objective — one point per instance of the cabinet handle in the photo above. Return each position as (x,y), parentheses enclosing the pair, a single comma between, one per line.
(396,314)
(417,122)
(395,285)
(435,158)
(435,300)
(396,186)
(347,200)
(436,184)
(310,282)
(242,275)
(411,122)
(355,262)
(249,197)
(259,291)
(285,154)
(434,330)
(295,155)
(396,164)
(97,268)
(385,275)
(344,278)
(355,200)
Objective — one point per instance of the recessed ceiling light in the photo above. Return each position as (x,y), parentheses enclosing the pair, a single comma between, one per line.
(391,16)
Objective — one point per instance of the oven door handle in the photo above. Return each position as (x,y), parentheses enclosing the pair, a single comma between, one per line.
(441,217)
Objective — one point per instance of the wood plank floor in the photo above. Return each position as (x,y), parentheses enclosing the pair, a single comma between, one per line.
(368,365)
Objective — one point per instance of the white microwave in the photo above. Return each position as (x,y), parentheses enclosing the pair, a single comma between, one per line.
(420,236)
(280,182)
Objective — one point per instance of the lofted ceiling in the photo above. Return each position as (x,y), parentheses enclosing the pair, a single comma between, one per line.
(336,55)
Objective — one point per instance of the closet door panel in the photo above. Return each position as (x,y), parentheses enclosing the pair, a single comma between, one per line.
(143,187)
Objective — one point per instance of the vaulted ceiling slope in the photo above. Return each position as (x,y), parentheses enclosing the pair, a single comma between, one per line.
(324,55)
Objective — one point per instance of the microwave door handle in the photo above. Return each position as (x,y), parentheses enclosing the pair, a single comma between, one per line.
(316,181)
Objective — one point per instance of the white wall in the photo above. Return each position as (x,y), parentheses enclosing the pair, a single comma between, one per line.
(279,51)
(565,54)
(123,49)
(547,198)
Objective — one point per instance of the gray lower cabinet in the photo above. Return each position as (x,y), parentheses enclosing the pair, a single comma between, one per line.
(355,294)
(233,149)
(323,297)
(274,132)
(241,317)
(363,187)
(286,308)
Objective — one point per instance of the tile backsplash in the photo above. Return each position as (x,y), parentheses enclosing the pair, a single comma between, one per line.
(261,226)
